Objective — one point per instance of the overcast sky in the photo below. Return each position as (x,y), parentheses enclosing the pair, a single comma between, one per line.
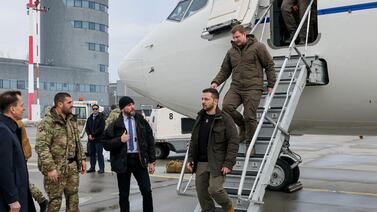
(130,21)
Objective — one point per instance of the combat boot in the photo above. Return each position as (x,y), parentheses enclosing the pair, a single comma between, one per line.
(43,205)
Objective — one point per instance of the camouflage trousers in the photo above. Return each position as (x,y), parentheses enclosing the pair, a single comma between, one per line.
(36,193)
(69,185)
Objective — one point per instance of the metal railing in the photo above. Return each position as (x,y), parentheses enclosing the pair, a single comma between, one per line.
(264,19)
(267,105)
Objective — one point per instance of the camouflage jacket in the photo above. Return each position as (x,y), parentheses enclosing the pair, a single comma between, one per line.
(114,114)
(58,141)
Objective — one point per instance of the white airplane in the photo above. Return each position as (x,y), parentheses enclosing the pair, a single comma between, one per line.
(174,63)
(182,56)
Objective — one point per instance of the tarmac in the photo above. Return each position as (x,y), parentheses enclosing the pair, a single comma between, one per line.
(338,174)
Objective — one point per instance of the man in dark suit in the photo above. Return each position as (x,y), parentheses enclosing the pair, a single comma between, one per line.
(14,180)
(95,125)
(130,141)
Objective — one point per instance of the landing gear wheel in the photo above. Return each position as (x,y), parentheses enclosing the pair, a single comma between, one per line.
(295,171)
(281,176)
(166,151)
(159,149)
(162,151)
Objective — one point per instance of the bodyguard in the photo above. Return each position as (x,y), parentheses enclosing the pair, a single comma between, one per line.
(95,125)
(131,144)
(245,61)
(60,155)
(212,152)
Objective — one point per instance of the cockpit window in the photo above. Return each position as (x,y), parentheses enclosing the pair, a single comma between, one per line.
(179,10)
(195,6)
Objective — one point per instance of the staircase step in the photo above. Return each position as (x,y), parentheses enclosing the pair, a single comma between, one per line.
(290,63)
(233,191)
(272,113)
(260,147)
(237,204)
(233,182)
(282,87)
(253,165)
(277,101)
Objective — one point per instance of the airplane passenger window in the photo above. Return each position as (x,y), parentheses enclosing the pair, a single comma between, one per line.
(195,6)
(179,11)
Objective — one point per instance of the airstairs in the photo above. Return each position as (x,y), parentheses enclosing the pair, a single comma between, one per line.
(274,165)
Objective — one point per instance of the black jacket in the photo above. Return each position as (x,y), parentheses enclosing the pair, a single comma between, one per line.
(118,150)
(95,127)
(222,146)
(14,179)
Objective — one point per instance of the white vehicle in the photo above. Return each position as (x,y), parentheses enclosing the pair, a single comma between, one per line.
(171,130)
(330,82)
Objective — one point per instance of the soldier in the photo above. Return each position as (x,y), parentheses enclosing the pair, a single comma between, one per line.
(35,192)
(60,154)
(114,114)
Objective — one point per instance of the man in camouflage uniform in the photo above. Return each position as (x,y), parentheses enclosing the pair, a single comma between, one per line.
(114,114)
(35,192)
(60,154)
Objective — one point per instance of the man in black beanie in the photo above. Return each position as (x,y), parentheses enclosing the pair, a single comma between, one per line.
(131,144)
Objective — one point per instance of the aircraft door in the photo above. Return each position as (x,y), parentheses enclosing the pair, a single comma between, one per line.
(226,13)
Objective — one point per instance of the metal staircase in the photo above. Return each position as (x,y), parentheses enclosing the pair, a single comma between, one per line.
(273,166)
(251,175)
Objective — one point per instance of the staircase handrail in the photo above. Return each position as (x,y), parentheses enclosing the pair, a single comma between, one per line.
(267,105)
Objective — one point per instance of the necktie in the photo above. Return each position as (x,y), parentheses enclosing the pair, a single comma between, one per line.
(131,133)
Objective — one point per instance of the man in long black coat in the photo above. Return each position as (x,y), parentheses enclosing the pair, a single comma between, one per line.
(14,180)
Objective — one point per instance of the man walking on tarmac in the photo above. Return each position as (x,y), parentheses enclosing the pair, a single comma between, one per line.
(212,152)
(245,60)
(129,138)
(60,154)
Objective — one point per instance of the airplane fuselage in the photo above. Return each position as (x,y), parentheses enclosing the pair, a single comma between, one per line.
(173,64)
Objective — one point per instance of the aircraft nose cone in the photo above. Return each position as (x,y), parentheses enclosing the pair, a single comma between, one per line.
(133,71)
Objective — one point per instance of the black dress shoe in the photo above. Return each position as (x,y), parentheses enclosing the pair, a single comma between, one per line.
(101,172)
(90,170)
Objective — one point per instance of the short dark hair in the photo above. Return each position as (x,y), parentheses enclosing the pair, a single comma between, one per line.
(60,97)
(8,99)
(238,28)
(113,107)
(214,92)
(95,105)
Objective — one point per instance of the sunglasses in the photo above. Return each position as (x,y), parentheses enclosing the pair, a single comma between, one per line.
(94,108)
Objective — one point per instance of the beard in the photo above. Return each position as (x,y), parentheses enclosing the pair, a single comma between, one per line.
(67,110)
(130,113)
(208,107)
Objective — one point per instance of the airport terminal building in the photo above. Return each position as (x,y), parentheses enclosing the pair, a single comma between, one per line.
(74,53)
